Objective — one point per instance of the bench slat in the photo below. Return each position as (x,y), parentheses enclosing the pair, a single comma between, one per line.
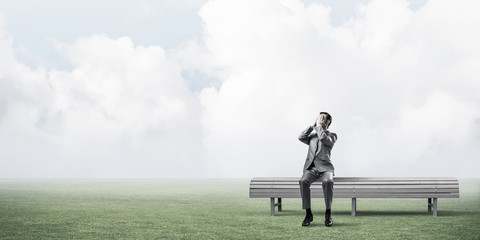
(297,186)
(319,195)
(363,191)
(360,183)
(367,183)
(359,179)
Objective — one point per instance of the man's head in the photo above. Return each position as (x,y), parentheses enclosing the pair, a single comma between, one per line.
(327,117)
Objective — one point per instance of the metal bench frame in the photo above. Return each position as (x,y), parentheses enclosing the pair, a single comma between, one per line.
(358,187)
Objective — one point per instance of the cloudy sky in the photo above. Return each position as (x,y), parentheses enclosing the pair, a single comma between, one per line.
(222,89)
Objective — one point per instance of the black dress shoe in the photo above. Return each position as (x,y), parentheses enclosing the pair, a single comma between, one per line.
(328,218)
(328,222)
(307,220)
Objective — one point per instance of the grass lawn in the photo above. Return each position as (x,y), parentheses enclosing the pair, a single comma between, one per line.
(215,209)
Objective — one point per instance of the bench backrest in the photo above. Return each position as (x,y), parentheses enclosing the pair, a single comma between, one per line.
(359,187)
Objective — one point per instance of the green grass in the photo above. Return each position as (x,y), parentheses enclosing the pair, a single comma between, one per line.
(215,209)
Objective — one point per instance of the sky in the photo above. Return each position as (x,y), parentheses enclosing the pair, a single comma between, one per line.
(222,89)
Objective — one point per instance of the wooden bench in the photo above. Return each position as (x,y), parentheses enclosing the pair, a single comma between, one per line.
(358,187)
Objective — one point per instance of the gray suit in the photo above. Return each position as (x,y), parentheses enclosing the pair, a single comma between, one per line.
(318,165)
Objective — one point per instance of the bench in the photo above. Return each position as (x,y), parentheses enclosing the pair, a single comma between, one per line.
(358,187)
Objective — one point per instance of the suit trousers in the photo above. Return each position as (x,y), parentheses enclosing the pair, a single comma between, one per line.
(313,175)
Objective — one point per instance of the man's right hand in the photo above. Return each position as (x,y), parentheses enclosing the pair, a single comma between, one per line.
(318,121)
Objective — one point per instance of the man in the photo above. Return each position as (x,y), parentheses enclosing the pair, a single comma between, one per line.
(318,165)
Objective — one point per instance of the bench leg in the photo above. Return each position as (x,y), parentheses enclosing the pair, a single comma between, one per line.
(279,204)
(429,204)
(354,206)
(434,207)
(272,206)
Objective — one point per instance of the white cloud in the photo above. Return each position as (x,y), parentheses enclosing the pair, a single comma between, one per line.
(401,86)
(386,66)
(132,87)
(124,110)
(427,139)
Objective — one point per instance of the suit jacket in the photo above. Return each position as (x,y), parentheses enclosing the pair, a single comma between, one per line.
(320,145)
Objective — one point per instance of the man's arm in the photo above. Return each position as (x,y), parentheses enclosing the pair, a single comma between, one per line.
(304,136)
(327,139)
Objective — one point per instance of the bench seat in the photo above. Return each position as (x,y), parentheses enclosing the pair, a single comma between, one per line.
(358,187)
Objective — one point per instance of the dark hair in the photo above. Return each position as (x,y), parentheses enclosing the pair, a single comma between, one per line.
(329,117)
